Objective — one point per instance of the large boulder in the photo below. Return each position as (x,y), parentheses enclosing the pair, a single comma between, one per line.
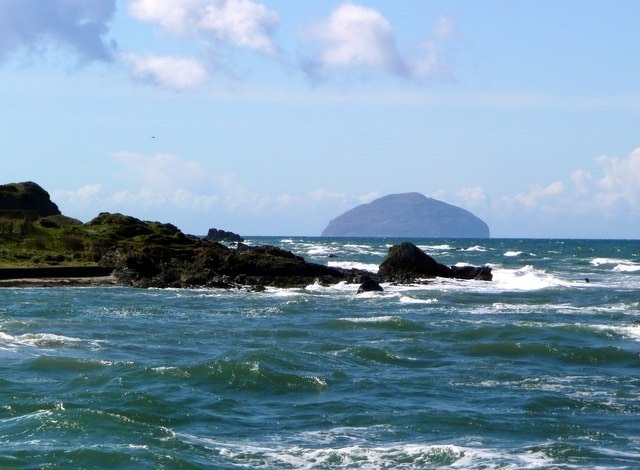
(369,285)
(406,262)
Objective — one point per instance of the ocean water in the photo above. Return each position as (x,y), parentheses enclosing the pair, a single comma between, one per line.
(537,369)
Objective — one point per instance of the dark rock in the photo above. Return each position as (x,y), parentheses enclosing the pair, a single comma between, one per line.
(27,197)
(156,255)
(407,215)
(478,273)
(216,235)
(370,285)
(406,262)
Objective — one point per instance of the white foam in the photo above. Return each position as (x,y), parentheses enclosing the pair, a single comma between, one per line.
(371,267)
(436,247)
(40,340)
(627,331)
(512,253)
(378,319)
(627,267)
(526,278)
(601,261)
(405,299)
(475,248)
(619,265)
(360,455)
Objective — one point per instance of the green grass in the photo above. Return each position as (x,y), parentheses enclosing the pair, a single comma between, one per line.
(37,245)
(62,241)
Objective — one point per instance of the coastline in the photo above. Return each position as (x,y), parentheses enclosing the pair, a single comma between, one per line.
(96,281)
(56,276)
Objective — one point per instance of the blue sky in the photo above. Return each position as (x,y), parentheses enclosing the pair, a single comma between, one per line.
(273,117)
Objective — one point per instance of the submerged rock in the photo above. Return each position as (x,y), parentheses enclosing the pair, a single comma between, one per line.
(370,285)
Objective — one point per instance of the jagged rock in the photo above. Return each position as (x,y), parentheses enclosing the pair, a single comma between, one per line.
(216,235)
(406,262)
(159,255)
(370,285)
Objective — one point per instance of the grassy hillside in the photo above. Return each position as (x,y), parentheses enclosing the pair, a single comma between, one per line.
(30,241)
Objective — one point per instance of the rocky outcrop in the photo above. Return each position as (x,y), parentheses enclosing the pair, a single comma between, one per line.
(27,197)
(406,262)
(217,235)
(407,215)
(153,254)
(150,254)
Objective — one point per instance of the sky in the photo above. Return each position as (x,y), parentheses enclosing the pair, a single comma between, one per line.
(274,117)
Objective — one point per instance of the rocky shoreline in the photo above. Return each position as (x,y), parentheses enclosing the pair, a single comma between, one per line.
(211,265)
(116,249)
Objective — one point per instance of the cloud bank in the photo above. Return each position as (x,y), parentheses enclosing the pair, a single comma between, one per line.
(172,188)
(350,39)
(79,26)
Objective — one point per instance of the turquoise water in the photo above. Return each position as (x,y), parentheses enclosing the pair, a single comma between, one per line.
(537,369)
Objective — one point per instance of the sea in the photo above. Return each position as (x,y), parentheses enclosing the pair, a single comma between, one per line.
(537,369)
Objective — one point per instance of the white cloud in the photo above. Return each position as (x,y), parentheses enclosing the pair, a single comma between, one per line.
(161,171)
(241,23)
(80,26)
(474,196)
(82,197)
(429,62)
(621,179)
(368,197)
(176,73)
(356,36)
(606,203)
(538,195)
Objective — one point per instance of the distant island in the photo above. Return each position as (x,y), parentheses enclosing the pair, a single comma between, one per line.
(407,215)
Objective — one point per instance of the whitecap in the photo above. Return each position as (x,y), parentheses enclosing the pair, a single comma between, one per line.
(512,253)
(357,454)
(378,319)
(475,248)
(41,340)
(371,267)
(626,267)
(526,278)
(444,247)
(601,261)
(405,299)
(627,331)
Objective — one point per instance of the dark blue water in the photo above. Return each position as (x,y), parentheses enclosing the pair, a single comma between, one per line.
(537,369)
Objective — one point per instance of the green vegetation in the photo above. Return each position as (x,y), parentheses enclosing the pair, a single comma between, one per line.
(27,240)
